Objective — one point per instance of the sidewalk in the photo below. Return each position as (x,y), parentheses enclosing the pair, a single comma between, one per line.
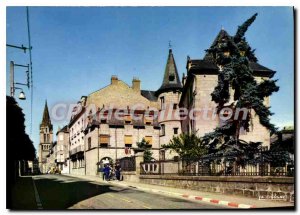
(229,200)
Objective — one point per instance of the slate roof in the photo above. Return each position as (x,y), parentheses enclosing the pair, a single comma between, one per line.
(197,66)
(65,129)
(150,95)
(221,35)
(138,122)
(46,121)
(257,67)
(115,122)
(171,79)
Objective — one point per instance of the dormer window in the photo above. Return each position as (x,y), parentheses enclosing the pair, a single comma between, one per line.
(171,77)
(127,119)
(162,103)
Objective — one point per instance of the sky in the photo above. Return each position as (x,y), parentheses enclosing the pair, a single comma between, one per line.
(76,50)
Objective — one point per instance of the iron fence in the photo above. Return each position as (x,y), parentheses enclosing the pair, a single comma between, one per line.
(128,163)
(217,166)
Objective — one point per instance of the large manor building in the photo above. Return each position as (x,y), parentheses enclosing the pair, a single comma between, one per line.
(95,135)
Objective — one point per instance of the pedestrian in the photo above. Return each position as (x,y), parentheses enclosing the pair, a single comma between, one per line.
(106,171)
(118,171)
(101,171)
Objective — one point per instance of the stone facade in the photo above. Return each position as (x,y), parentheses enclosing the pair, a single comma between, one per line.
(62,153)
(95,136)
(198,97)
(117,145)
(281,188)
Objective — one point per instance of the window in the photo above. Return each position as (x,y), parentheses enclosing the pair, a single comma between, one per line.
(171,77)
(81,163)
(89,143)
(175,130)
(148,120)
(192,125)
(128,145)
(103,145)
(162,102)
(148,139)
(127,119)
(174,106)
(243,131)
(163,130)
(163,155)
(45,138)
(104,140)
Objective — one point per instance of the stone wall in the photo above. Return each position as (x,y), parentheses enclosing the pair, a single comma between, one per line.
(130,176)
(281,188)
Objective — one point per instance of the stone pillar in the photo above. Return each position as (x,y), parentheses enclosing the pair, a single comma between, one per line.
(139,158)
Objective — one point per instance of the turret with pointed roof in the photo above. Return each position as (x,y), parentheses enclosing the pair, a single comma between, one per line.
(222,37)
(171,81)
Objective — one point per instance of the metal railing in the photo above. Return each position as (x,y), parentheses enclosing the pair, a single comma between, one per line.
(218,166)
(128,163)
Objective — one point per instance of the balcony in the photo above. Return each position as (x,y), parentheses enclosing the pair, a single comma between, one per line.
(77,149)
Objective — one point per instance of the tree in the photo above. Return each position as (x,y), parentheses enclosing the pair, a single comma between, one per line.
(187,146)
(147,153)
(233,55)
(18,144)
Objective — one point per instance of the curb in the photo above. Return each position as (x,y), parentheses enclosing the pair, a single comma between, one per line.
(220,202)
(191,197)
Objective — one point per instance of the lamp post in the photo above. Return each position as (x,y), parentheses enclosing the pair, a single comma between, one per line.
(12,81)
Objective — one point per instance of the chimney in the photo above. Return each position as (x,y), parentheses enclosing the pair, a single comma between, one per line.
(183,79)
(136,84)
(83,100)
(114,79)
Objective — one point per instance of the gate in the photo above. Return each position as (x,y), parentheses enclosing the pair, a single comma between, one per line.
(127,163)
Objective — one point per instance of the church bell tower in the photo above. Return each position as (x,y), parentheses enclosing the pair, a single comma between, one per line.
(46,139)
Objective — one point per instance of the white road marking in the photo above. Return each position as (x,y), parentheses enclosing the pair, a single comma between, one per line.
(37,196)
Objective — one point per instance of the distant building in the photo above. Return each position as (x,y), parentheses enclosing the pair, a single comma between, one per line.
(62,149)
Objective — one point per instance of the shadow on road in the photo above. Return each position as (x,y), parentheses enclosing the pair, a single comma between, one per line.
(62,193)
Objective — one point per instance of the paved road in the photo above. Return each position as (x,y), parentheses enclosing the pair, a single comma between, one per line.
(62,192)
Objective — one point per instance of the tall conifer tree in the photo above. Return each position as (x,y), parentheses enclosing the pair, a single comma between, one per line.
(238,89)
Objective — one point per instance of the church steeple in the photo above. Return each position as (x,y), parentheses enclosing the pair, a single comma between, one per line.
(171,79)
(46,118)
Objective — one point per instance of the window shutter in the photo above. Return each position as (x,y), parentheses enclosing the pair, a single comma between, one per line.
(148,120)
(104,139)
(128,139)
(148,139)
(127,118)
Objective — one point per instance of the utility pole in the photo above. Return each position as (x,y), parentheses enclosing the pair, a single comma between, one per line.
(11,72)
(116,144)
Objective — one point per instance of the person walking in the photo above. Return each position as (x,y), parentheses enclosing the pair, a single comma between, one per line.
(106,171)
(118,171)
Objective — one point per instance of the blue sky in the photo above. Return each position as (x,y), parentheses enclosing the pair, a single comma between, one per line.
(77,49)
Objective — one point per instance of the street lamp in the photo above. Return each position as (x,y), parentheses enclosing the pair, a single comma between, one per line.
(12,83)
(22,94)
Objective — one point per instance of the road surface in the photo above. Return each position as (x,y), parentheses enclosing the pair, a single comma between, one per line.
(64,192)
